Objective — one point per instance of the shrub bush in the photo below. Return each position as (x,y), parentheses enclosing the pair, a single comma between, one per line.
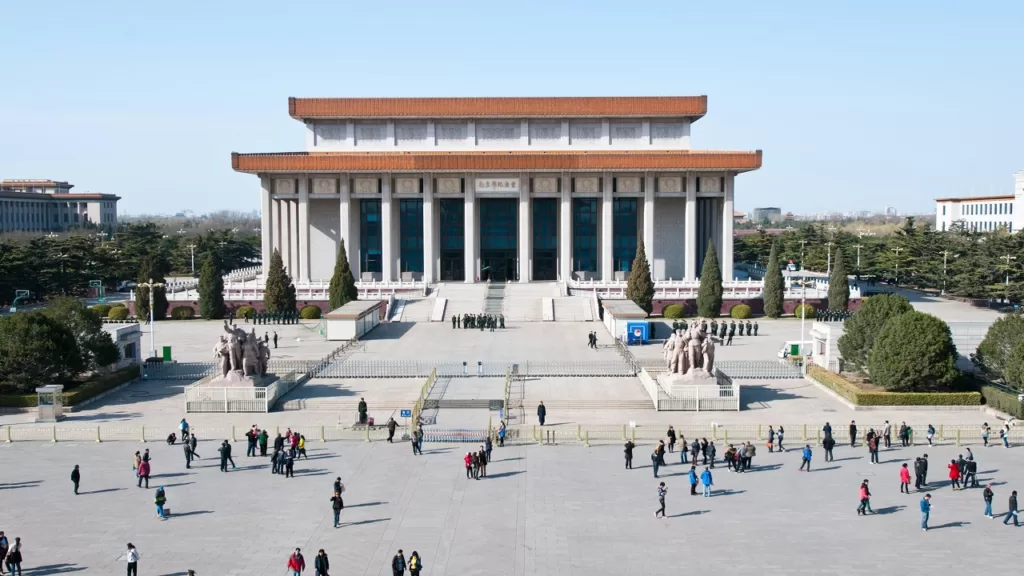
(840,386)
(913,353)
(182,313)
(673,311)
(310,312)
(118,313)
(119,305)
(861,329)
(19,401)
(99,384)
(101,310)
(740,312)
(995,397)
(244,311)
(805,311)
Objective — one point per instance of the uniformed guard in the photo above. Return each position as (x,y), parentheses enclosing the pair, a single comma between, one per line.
(749,327)
(755,327)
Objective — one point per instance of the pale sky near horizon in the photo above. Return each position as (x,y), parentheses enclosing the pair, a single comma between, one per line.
(857,105)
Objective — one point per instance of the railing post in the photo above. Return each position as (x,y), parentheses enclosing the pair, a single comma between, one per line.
(54,433)
(714,431)
(758,432)
(725,442)
(942,435)
(97,434)
(633,434)
(958,437)
(142,440)
(804,433)
(586,442)
(579,437)
(367,433)
(623,432)
(817,437)
(322,433)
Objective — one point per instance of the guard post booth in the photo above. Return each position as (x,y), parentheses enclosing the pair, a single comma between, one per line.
(353,320)
(619,315)
(51,403)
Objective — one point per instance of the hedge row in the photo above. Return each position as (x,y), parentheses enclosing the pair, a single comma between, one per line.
(840,386)
(310,312)
(88,389)
(994,396)
(182,313)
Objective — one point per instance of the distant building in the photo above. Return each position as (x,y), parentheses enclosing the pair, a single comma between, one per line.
(769,214)
(49,206)
(740,217)
(982,213)
(891,211)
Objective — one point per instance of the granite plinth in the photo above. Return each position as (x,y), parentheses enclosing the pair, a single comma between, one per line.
(236,379)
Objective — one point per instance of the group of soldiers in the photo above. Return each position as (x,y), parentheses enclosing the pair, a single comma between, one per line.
(265,318)
(481,321)
(725,331)
(834,315)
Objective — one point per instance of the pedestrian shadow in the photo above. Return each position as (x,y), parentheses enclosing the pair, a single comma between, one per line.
(170,475)
(25,484)
(252,467)
(365,504)
(847,458)
(957,524)
(889,509)
(312,472)
(894,460)
(827,469)
(192,513)
(690,513)
(57,569)
(178,484)
(764,468)
(321,456)
(727,492)
(504,474)
(508,459)
(983,482)
(102,491)
(439,451)
(988,472)
(361,522)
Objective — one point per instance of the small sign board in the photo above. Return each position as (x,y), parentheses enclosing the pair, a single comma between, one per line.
(496,405)
(406,413)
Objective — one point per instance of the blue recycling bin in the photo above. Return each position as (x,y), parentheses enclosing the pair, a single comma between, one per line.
(637,333)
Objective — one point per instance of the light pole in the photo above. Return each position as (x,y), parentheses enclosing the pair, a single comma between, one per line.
(897,250)
(858,247)
(828,267)
(802,242)
(152,329)
(192,249)
(945,256)
(1007,289)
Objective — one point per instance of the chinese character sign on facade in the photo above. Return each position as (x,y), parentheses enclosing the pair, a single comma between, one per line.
(497,185)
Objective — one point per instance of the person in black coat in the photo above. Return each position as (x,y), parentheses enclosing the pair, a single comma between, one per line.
(188,454)
(76,477)
(853,433)
(321,564)
(542,412)
(629,454)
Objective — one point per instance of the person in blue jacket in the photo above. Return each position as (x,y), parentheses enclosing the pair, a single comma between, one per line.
(705,479)
(693,480)
(806,461)
(926,509)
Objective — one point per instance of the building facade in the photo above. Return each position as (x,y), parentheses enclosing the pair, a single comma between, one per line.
(983,213)
(770,214)
(466,189)
(50,206)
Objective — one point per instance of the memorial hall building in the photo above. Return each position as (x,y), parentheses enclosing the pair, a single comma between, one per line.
(520,189)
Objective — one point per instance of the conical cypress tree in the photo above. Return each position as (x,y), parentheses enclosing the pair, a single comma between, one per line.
(773,285)
(639,285)
(709,296)
(838,284)
(279,293)
(150,271)
(343,283)
(211,289)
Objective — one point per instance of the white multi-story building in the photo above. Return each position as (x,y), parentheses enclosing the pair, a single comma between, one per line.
(983,213)
(47,205)
(466,189)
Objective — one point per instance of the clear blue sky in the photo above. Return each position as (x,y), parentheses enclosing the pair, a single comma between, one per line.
(857,105)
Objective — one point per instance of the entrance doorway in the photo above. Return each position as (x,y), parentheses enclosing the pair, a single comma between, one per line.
(498,240)
(453,266)
(497,265)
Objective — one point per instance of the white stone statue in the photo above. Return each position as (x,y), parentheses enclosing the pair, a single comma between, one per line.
(690,352)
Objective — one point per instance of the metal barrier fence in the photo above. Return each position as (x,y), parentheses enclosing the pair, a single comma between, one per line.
(489,369)
(760,369)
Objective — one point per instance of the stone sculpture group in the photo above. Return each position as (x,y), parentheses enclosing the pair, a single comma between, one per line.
(241,357)
(690,353)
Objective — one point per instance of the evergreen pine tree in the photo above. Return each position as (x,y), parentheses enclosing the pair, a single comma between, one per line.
(709,295)
(343,283)
(150,271)
(639,285)
(279,293)
(774,286)
(211,289)
(838,284)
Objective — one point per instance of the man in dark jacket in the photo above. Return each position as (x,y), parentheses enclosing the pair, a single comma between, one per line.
(263,437)
(251,437)
(192,441)
(76,477)
(853,433)
(924,470)
(398,564)
(337,505)
(188,454)
(629,454)
(917,472)
(392,426)
(320,563)
(542,412)
(828,444)
(278,442)
(227,452)
(223,450)
(1012,512)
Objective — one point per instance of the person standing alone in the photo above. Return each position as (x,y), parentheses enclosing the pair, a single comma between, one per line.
(76,477)
(542,412)
(662,490)
(926,510)
(132,556)
(904,479)
(337,505)
(296,563)
(987,494)
(1012,512)
(629,454)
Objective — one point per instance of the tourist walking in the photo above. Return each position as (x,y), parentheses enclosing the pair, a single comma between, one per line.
(321,564)
(337,505)
(683,450)
(143,473)
(806,458)
(263,442)
(711,453)
(132,556)
(778,436)
(1012,512)
(985,431)
(706,482)
(415,564)
(289,465)
(954,474)
(250,438)
(501,434)
(692,476)
(905,435)
(671,439)
(296,563)
(931,434)
(865,500)
(482,457)
(660,451)
(695,450)
(488,448)
(926,510)
(14,558)
(829,443)
(853,433)
(76,477)
(392,426)
(655,463)
(662,490)
(887,435)
(771,439)
(542,412)
(924,470)
(188,454)
(873,449)
(398,564)
(1005,437)
(4,547)
(987,494)
(904,479)
(160,499)
(628,451)
(468,460)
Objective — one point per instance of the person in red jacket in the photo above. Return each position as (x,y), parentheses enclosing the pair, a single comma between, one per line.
(469,464)
(143,472)
(905,479)
(296,563)
(865,500)
(954,474)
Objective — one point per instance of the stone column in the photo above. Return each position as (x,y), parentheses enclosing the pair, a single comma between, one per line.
(690,229)
(293,246)
(386,254)
(345,219)
(524,228)
(470,228)
(565,230)
(275,218)
(649,223)
(727,222)
(266,223)
(303,261)
(429,258)
(607,233)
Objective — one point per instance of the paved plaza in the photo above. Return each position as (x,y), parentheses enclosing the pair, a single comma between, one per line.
(542,510)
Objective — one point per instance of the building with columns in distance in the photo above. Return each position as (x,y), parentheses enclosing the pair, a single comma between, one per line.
(524,189)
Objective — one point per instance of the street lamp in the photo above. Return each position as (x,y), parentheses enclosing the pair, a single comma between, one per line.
(945,256)
(897,250)
(152,329)
(192,249)
(858,247)
(1007,289)
(830,244)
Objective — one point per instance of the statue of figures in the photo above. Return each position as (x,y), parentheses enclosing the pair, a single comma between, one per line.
(222,355)
(251,356)
(668,350)
(264,357)
(708,353)
(235,348)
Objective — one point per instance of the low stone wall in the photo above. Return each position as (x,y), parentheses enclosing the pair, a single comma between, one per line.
(756,305)
(323,305)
